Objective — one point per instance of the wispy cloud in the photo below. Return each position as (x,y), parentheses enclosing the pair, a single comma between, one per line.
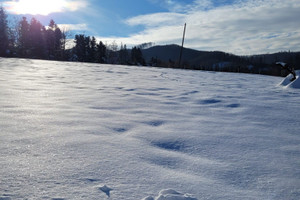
(184,6)
(245,27)
(156,19)
(171,5)
(73,27)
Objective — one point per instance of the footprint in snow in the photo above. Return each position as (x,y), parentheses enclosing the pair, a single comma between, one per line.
(106,190)
(209,101)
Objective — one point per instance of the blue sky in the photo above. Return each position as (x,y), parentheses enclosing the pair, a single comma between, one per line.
(241,27)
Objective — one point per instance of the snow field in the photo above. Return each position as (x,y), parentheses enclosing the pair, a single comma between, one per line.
(73,130)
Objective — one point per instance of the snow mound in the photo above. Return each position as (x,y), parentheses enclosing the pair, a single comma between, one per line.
(169,194)
(287,81)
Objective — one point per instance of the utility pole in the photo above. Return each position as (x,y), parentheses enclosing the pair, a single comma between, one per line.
(182,45)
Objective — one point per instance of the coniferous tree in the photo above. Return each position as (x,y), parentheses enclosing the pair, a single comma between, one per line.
(92,50)
(101,53)
(58,46)
(23,40)
(80,48)
(137,56)
(50,40)
(87,41)
(124,57)
(36,32)
(3,33)
(86,49)
(55,41)
(90,53)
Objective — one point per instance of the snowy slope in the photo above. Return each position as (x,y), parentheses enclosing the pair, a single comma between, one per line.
(88,131)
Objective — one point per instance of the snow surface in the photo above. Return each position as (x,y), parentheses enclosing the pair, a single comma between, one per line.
(69,129)
(287,83)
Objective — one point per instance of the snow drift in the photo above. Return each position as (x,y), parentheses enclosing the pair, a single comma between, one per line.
(89,131)
(286,82)
(169,194)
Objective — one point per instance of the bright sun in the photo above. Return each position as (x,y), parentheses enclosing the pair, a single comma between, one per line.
(37,7)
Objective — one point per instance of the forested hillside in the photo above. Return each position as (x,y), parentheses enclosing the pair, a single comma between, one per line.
(168,56)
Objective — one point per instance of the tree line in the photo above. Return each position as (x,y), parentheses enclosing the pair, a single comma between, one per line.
(30,39)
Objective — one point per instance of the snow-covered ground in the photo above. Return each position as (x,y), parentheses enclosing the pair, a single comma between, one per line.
(88,131)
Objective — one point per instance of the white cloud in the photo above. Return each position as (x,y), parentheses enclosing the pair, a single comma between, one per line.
(43,7)
(246,27)
(76,5)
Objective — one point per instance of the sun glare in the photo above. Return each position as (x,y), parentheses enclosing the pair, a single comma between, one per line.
(37,7)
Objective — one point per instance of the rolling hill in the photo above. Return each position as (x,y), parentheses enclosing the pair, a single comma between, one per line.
(220,61)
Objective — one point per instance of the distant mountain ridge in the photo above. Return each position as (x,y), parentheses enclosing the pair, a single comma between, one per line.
(167,52)
(168,56)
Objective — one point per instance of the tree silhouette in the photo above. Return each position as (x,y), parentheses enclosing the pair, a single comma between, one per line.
(92,50)
(55,41)
(3,33)
(37,45)
(58,45)
(50,39)
(23,40)
(101,53)
(124,57)
(80,48)
(137,56)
